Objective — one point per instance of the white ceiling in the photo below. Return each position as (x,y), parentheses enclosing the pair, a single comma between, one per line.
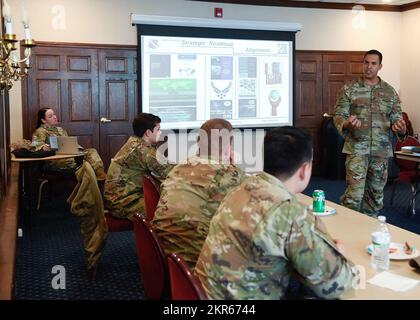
(382,2)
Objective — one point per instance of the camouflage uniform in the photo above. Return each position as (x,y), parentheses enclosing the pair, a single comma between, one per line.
(368,147)
(40,138)
(86,203)
(123,190)
(190,196)
(259,236)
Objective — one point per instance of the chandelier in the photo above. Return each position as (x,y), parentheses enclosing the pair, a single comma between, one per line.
(11,67)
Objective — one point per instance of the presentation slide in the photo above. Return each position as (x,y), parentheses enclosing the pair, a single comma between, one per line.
(186,81)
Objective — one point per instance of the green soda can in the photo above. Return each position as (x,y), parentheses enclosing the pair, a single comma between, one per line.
(319,201)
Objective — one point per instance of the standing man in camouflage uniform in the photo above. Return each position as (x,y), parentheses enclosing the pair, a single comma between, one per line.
(123,190)
(193,190)
(365,112)
(261,233)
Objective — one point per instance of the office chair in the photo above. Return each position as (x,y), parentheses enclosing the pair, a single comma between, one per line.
(407,169)
(54,178)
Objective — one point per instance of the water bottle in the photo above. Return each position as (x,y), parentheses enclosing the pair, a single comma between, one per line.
(381,240)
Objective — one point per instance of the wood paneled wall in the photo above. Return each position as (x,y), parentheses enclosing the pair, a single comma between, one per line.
(84,83)
(319,77)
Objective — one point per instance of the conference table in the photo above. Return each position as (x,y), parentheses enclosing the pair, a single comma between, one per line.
(354,230)
(29,166)
(415,157)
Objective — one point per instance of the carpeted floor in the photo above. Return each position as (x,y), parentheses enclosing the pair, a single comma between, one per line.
(51,237)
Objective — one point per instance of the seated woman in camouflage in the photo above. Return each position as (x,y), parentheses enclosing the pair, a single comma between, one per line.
(47,127)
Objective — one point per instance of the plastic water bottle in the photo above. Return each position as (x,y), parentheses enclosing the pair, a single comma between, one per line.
(381,240)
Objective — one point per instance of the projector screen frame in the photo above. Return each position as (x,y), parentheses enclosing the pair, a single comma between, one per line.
(166,30)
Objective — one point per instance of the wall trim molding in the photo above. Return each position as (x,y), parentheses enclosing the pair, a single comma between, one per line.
(82,45)
(410,6)
(214,23)
(320,5)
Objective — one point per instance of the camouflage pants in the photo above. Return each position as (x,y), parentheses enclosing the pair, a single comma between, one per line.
(125,208)
(92,156)
(366,178)
(69,164)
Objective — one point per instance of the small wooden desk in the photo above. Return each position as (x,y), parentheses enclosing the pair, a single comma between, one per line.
(354,230)
(415,157)
(23,193)
(55,157)
(408,156)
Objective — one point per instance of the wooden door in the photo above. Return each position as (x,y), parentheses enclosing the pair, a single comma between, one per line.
(65,79)
(319,77)
(118,98)
(337,70)
(308,109)
(84,83)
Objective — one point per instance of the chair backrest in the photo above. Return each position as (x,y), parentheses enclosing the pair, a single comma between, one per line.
(184,285)
(410,129)
(406,165)
(152,260)
(151,191)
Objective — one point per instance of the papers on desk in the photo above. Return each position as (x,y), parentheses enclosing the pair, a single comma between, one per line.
(392,281)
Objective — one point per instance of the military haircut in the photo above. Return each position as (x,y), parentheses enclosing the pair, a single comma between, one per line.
(144,121)
(376,52)
(212,129)
(285,150)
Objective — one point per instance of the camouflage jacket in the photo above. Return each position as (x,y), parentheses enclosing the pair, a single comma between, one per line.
(190,196)
(377,107)
(86,203)
(123,190)
(41,135)
(40,138)
(259,236)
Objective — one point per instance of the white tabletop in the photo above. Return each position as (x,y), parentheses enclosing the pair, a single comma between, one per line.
(354,230)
